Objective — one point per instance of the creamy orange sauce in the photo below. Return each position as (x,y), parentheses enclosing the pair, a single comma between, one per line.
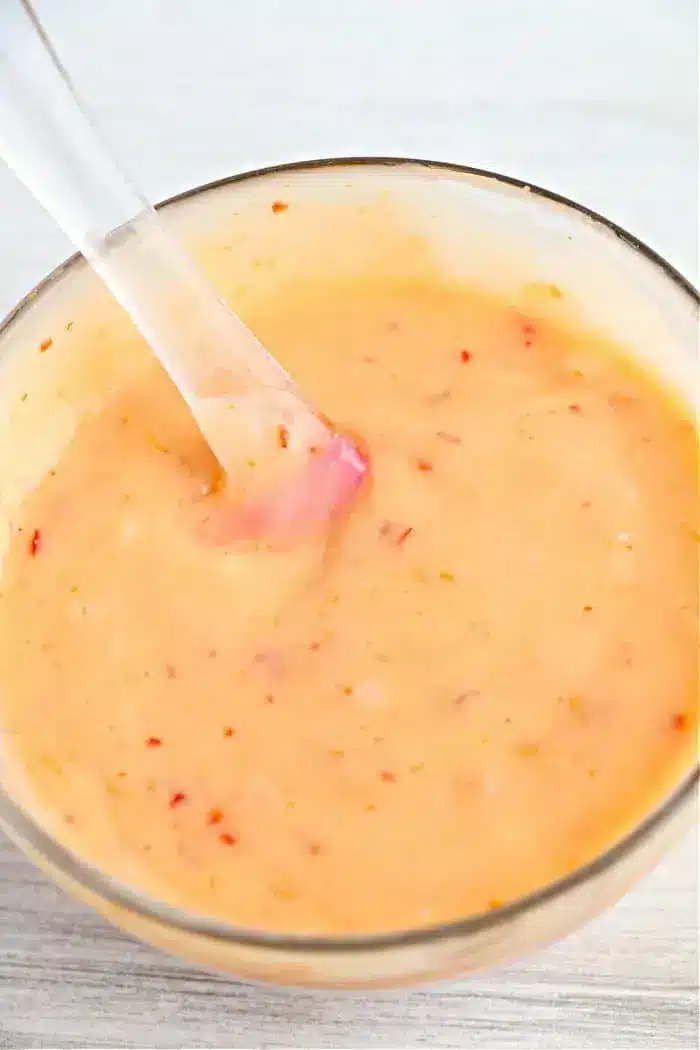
(477,683)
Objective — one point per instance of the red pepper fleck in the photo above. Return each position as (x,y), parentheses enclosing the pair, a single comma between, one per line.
(387,776)
(315,646)
(279,206)
(575,409)
(35,543)
(680,721)
(387,529)
(425,465)
(215,816)
(228,840)
(154,741)
(69,818)
(229,731)
(282,436)
(451,439)
(528,331)
(465,356)
(170,671)
(45,344)
(177,799)
(314,849)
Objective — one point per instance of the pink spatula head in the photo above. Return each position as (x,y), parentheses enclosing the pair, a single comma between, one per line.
(307,502)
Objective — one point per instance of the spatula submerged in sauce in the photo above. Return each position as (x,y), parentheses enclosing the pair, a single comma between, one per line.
(246,406)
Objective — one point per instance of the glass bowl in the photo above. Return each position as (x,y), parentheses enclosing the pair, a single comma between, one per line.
(470,224)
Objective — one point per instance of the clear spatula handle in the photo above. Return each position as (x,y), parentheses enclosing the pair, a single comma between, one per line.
(46,137)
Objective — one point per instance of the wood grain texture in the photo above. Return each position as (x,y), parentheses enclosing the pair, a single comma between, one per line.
(594,99)
(629,979)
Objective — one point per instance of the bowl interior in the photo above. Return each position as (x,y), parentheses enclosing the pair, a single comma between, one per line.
(344,219)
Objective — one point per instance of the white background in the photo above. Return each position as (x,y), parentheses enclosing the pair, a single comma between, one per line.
(596,99)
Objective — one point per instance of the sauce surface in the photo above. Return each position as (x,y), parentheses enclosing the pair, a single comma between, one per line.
(480,681)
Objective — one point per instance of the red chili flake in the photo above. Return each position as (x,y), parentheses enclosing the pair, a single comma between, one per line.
(576,409)
(229,731)
(451,439)
(170,671)
(44,345)
(279,206)
(528,331)
(227,839)
(387,529)
(465,356)
(154,741)
(69,818)
(680,721)
(314,849)
(425,465)
(35,543)
(387,776)
(177,799)
(282,436)
(315,646)
(215,816)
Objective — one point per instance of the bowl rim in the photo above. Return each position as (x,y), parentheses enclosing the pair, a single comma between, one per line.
(24,829)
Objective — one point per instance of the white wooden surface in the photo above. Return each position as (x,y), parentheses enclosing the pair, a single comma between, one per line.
(593,98)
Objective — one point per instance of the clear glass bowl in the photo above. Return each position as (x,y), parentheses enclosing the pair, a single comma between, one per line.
(506,235)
